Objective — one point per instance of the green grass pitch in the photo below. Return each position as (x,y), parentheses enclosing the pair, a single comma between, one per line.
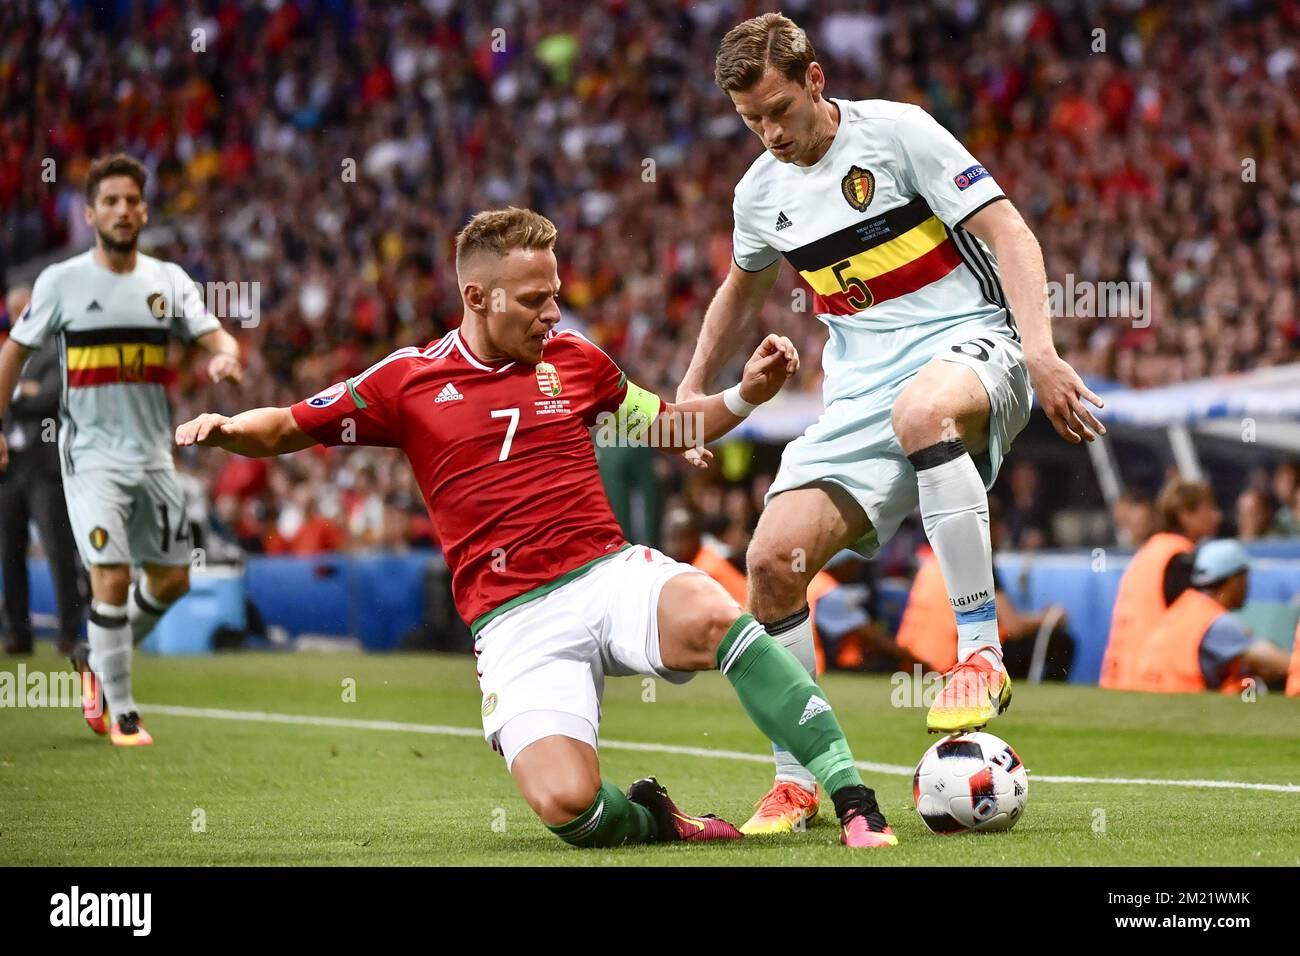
(251,791)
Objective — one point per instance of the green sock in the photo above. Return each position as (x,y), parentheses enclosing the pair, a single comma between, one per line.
(785,703)
(612,820)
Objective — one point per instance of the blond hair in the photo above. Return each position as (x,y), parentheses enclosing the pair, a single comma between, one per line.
(1178,496)
(501,231)
(749,48)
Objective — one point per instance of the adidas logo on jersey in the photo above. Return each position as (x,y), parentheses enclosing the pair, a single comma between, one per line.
(814,707)
(782,220)
(448,394)
(94,307)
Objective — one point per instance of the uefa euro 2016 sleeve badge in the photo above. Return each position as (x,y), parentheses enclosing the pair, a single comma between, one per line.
(858,186)
(548,379)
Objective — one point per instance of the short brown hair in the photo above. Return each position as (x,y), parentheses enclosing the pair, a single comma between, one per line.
(500,231)
(119,164)
(751,47)
(1179,495)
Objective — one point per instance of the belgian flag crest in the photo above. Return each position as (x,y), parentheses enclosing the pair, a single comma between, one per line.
(858,186)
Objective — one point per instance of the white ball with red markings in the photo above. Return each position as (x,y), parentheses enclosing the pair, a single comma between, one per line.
(970,782)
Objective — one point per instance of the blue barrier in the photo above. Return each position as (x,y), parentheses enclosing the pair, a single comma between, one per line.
(215,600)
(1086,586)
(303,594)
(390,598)
(1087,594)
(1033,582)
(378,598)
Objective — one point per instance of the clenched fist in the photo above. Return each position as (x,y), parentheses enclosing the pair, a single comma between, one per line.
(770,367)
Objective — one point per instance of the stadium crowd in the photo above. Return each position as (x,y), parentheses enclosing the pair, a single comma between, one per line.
(330,150)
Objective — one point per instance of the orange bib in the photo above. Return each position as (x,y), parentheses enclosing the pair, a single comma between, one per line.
(1169,661)
(1138,606)
(723,571)
(928,630)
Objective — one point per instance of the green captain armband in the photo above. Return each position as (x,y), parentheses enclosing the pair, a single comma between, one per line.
(637,412)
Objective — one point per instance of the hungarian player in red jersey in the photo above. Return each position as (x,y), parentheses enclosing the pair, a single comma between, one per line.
(495,419)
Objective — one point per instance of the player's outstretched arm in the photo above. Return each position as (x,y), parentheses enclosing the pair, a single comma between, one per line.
(696,421)
(258,433)
(1059,388)
(727,323)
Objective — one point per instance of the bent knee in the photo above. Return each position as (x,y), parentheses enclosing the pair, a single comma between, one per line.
(774,573)
(715,620)
(921,419)
(557,802)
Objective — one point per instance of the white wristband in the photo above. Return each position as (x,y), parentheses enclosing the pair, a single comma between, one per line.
(735,404)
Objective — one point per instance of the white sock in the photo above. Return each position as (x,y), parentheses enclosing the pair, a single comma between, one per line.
(144,610)
(795,633)
(110,654)
(955,514)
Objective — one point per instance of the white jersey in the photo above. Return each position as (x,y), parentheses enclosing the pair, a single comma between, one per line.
(875,228)
(112,330)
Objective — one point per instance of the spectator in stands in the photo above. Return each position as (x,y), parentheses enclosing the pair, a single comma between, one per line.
(1124,165)
(303,529)
(1286,479)
(1135,518)
(741,520)
(1286,489)
(1197,643)
(1254,514)
(1157,574)
(849,639)
(683,541)
(1027,517)
(367,518)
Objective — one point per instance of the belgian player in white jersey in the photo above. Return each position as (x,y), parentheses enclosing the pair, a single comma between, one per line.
(112,311)
(934,292)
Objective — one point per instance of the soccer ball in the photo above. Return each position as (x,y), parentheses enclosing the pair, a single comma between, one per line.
(970,782)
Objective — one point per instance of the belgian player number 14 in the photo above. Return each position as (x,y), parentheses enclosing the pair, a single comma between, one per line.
(182,535)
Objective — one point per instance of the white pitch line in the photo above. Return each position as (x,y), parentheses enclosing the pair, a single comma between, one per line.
(890,769)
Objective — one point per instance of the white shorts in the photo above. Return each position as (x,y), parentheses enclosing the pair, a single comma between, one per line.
(128,517)
(551,655)
(853,443)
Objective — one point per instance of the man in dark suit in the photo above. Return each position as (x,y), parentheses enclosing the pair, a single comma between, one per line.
(32,489)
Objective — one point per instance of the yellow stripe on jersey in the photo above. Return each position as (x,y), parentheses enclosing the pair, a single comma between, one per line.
(82,357)
(879,259)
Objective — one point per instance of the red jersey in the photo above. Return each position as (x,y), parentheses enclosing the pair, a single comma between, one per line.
(502,454)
